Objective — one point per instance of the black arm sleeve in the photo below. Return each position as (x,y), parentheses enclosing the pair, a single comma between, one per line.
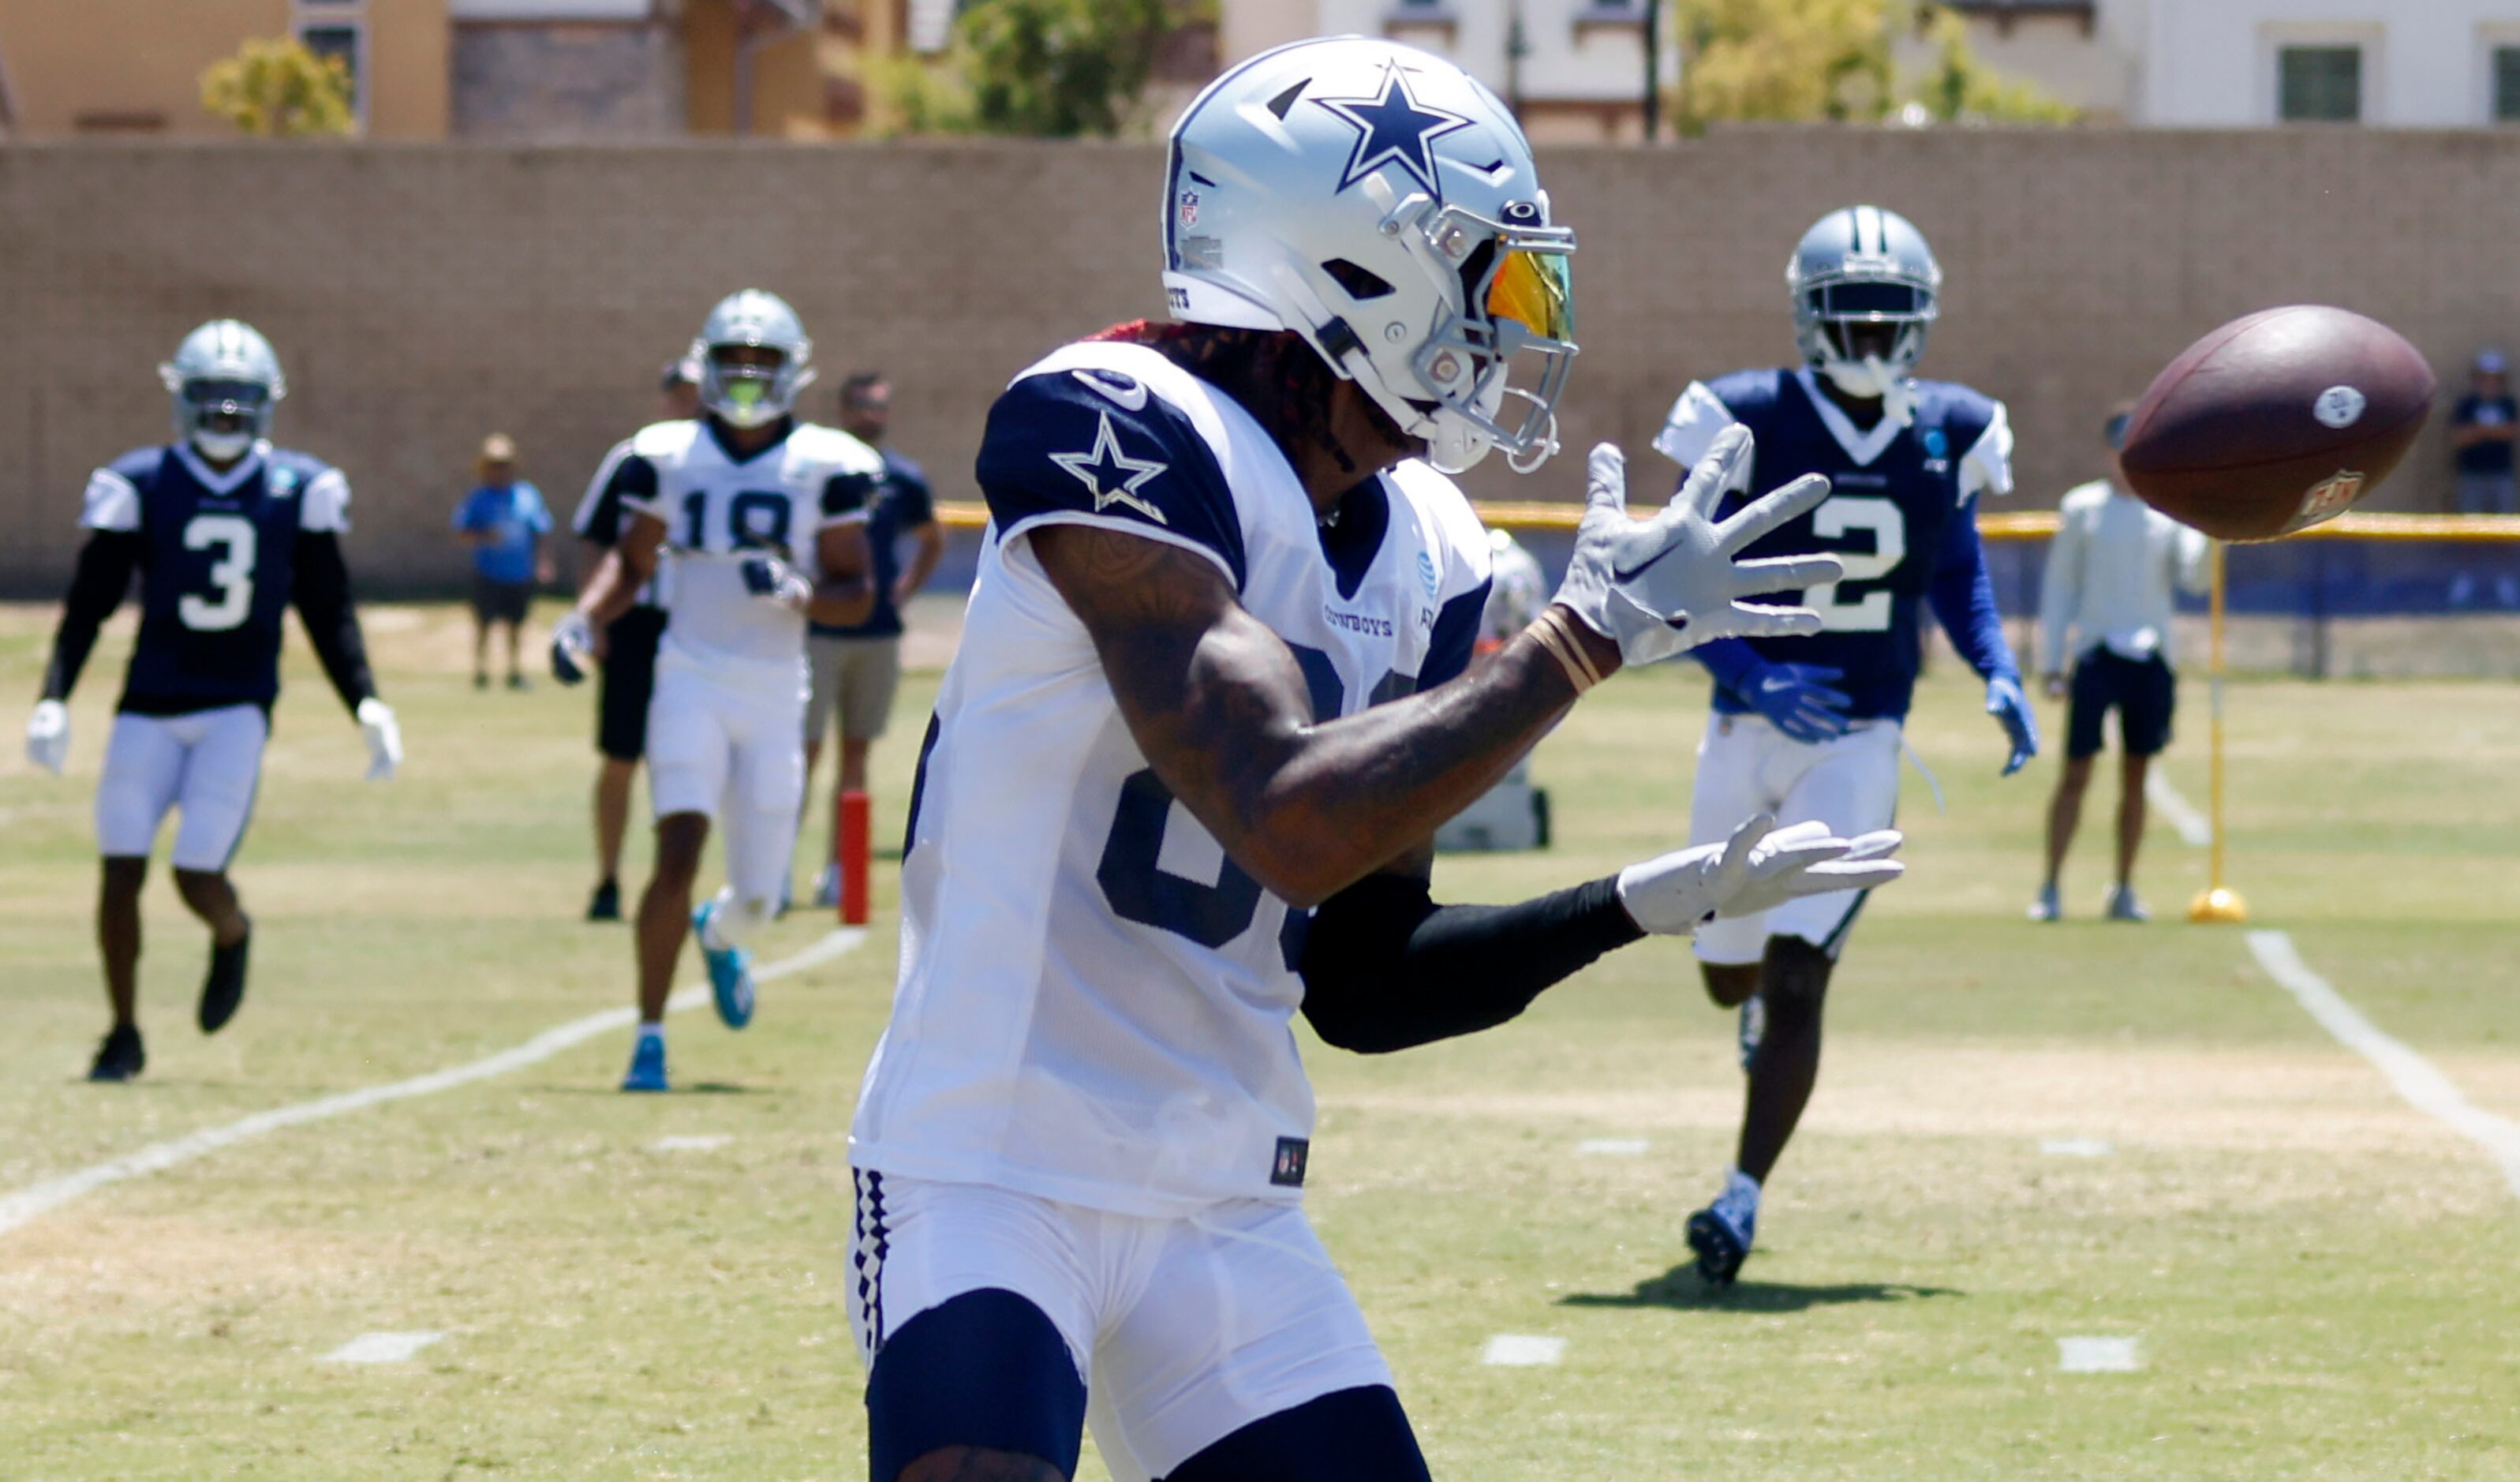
(1384,967)
(104,575)
(323,593)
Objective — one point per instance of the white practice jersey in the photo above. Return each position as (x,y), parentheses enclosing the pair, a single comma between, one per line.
(1095,1003)
(718,510)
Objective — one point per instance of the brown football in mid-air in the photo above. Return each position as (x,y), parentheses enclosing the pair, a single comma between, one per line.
(2277,422)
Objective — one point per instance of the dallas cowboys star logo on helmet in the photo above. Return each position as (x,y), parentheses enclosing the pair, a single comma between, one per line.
(1112,476)
(1394,128)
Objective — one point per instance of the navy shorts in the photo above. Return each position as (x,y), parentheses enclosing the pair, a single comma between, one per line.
(2142,690)
(628,679)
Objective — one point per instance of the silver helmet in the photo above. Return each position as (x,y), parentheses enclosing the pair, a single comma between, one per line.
(1865,266)
(224,381)
(737,390)
(1381,203)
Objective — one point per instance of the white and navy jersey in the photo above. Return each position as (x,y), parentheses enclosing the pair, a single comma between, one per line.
(718,509)
(601,518)
(1095,1001)
(1901,514)
(215,557)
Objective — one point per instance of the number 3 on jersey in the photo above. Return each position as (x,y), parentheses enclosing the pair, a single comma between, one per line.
(1879,519)
(230,574)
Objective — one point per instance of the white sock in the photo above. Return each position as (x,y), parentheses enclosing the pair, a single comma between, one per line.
(651,1029)
(1739,1200)
(713,934)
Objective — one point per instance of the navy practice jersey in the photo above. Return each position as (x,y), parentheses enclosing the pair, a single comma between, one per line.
(1901,515)
(215,567)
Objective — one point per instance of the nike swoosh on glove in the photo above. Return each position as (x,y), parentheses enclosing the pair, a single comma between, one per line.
(1754,871)
(1799,699)
(1662,586)
(2011,710)
(572,644)
(47,736)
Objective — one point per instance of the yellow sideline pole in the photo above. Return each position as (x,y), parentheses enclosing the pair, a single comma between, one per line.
(2219,902)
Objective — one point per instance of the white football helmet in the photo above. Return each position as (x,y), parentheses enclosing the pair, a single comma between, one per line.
(1862,265)
(225,381)
(749,395)
(1381,204)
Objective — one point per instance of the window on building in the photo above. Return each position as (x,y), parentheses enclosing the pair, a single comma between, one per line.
(2319,84)
(349,43)
(2506,84)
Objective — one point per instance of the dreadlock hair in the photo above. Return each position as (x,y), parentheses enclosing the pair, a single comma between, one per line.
(1276,377)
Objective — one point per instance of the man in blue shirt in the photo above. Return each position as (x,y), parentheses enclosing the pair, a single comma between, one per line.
(1809,727)
(2481,430)
(857,669)
(503,521)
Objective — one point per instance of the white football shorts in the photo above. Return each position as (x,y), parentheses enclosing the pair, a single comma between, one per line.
(205,765)
(728,745)
(1185,1328)
(1746,764)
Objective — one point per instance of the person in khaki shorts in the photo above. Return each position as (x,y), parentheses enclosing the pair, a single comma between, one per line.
(857,669)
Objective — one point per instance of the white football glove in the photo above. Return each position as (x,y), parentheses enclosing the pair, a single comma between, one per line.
(572,647)
(1663,586)
(383,738)
(1753,871)
(47,736)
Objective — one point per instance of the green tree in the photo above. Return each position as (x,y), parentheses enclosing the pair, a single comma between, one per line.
(1837,61)
(1051,69)
(278,89)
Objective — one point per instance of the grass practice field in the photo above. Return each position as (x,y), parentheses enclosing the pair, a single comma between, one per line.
(2318,1277)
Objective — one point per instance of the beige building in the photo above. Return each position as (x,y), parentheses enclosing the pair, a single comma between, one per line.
(1574,70)
(424,70)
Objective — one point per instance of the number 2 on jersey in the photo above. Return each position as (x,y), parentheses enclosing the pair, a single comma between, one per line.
(231,575)
(1844,515)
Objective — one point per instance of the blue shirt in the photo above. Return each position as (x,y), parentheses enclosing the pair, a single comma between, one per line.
(899,505)
(1903,519)
(516,518)
(215,567)
(2483,412)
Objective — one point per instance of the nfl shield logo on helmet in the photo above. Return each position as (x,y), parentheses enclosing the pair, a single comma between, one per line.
(1189,208)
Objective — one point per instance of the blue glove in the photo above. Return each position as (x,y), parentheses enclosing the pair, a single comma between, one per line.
(1797,699)
(2011,710)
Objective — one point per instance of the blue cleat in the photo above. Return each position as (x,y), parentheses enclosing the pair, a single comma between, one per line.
(647,1065)
(2047,908)
(2123,907)
(730,970)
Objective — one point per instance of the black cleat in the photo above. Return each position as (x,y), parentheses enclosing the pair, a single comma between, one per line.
(605,905)
(224,989)
(120,1057)
(1719,1249)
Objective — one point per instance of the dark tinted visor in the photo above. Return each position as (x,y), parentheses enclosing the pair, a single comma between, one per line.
(1853,300)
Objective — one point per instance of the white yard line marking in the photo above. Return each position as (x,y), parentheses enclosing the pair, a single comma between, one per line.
(1611,1148)
(38,1199)
(2424,1088)
(2074,1147)
(1513,1350)
(2195,830)
(2100,1356)
(381,1347)
(707,1141)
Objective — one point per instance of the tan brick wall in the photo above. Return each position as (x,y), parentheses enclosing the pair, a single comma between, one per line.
(423,295)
